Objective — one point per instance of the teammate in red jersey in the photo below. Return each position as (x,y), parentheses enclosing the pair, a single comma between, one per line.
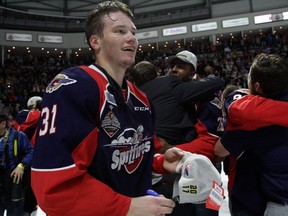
(95,141)
(26,120)
(263,142)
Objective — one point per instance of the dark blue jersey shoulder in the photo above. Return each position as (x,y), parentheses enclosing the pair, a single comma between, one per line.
(69,108)
(209,113)
(233,96)
(21,116)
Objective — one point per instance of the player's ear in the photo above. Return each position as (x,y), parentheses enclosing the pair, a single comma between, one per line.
(258,88)
(4,124)
(95,42)
(191,76)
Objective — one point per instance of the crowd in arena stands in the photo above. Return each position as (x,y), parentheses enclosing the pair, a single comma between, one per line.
(24,76)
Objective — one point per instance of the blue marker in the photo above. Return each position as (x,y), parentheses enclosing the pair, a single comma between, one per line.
(152,193)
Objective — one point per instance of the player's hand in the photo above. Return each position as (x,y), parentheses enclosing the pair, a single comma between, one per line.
(150,206)
(164,145)
(172,158)
(17,175)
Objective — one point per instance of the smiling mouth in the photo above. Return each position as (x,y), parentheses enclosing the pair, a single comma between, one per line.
(128,49)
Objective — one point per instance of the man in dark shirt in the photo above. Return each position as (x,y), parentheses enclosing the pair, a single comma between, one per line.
(174,99)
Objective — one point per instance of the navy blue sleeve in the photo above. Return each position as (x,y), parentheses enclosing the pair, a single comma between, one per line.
(69,109)
(238,141)
(193,91)
(26,149)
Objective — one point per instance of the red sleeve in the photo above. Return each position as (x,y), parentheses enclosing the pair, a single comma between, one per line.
(252,112)
(203,144)
(157,144)
(158,158)
(200,146)
(158,164)
(33,139)
(16,125)
(31,121)
(90,196)
(71,190)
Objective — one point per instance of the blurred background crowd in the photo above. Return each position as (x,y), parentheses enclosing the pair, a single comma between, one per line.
(23,76)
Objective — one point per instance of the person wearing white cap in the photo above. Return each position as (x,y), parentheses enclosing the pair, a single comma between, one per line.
(172,96)
(33,102)
(26,120)
(178,60)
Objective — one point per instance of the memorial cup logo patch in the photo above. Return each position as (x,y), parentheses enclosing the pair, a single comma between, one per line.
(110,123)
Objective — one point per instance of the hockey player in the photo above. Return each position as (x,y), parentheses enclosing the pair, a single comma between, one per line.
(27,119)
(95,140)
(257,137)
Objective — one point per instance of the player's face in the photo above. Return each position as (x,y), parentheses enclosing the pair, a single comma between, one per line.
(251,86)
(249,79)
(119,43)
(181,69)
(2,128)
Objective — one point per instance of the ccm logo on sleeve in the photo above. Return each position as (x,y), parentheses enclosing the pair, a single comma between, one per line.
(141,109)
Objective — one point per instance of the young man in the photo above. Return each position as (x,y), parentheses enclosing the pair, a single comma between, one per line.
(143,72)
(95,140)
(16,154)
(263,140)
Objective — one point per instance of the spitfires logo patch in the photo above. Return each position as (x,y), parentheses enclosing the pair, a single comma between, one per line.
(110,123)
(129,149)
(58,81)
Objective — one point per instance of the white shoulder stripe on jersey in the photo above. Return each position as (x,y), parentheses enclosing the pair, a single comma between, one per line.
(98,71)
(53,170)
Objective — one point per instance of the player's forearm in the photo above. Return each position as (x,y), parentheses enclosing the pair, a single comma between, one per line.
(220,150)
(204,147)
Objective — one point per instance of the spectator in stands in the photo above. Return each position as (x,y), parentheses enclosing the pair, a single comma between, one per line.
(26,121)
(38,68)
(16,154)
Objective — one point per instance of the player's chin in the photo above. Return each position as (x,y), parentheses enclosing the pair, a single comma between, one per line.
(129,61)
